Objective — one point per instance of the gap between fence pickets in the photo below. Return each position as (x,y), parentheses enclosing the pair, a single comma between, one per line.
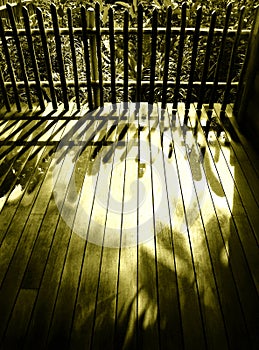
(65,83)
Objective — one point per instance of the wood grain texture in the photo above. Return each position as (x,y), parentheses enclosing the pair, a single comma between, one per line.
(72,273)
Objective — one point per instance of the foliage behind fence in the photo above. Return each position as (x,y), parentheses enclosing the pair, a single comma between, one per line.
(76,54)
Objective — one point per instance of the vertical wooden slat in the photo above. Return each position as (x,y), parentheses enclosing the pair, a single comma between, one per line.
(242,75)
(99,50)
(20,54)
(193,61)
(247,74)
(46,57)
(153,57)
(9,66)
(220,59)
(126,56)
(91,18)
(4,93)
(73,54)
(167,54)
(59,54)
(33,57)
(180,56)
(139,52)
(138,270)
(112,56)
(232,59)
(207,59)
(86,57)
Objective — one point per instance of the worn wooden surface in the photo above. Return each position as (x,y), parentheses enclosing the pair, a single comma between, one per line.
(147,243)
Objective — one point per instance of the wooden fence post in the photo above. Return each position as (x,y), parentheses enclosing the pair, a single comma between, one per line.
(248,72)
(20,54)
(47,58)
(4,92)
(86,57)
(33,56)
(139,54)
(73,54)
(126,58)
(247,103)
(59,54)
(93,56)
(232,61)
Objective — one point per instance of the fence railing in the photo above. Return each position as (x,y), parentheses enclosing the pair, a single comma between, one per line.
(40,59)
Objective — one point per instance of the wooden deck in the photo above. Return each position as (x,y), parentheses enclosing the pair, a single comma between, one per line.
(120,230)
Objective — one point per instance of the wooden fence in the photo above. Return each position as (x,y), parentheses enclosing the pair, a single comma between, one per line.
(42,60)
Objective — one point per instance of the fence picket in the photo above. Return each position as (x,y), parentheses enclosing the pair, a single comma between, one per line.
(153,57)
(232,59)
(59,55)
(91,36)
(93,56)
(86,57)
(139,53)
(9,65)
(207,60)
(126,56)
(73,54)
(20,54)
(167,55)
(33,57)
(46,57)
(180,56)
(245,75)
(112,56)
(99,51)
(219,61)
(4,92)
(193,62)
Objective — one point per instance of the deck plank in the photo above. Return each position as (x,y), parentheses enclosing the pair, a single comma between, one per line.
(197,232)
(28,181)
(20,318)
(103,301)
(193,331)
(245,196)
(14,157)
(21,238)
(127,287)
(40,273)
(13,278)
(170,322)
(246,167)
(146,250)
(236,260)
(198,212)
(148,306)
(40,251)
(64,306)
(245,143)
(236,208)
(112,182)
(12,226)
(84,323)
(55,248)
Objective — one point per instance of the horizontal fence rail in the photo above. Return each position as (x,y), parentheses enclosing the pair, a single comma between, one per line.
(147,30)
(73,56)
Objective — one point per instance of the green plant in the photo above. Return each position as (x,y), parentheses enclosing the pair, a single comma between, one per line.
(119,8)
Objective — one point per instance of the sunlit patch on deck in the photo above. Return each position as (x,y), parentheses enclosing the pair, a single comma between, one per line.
(133,144)
(114,170)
